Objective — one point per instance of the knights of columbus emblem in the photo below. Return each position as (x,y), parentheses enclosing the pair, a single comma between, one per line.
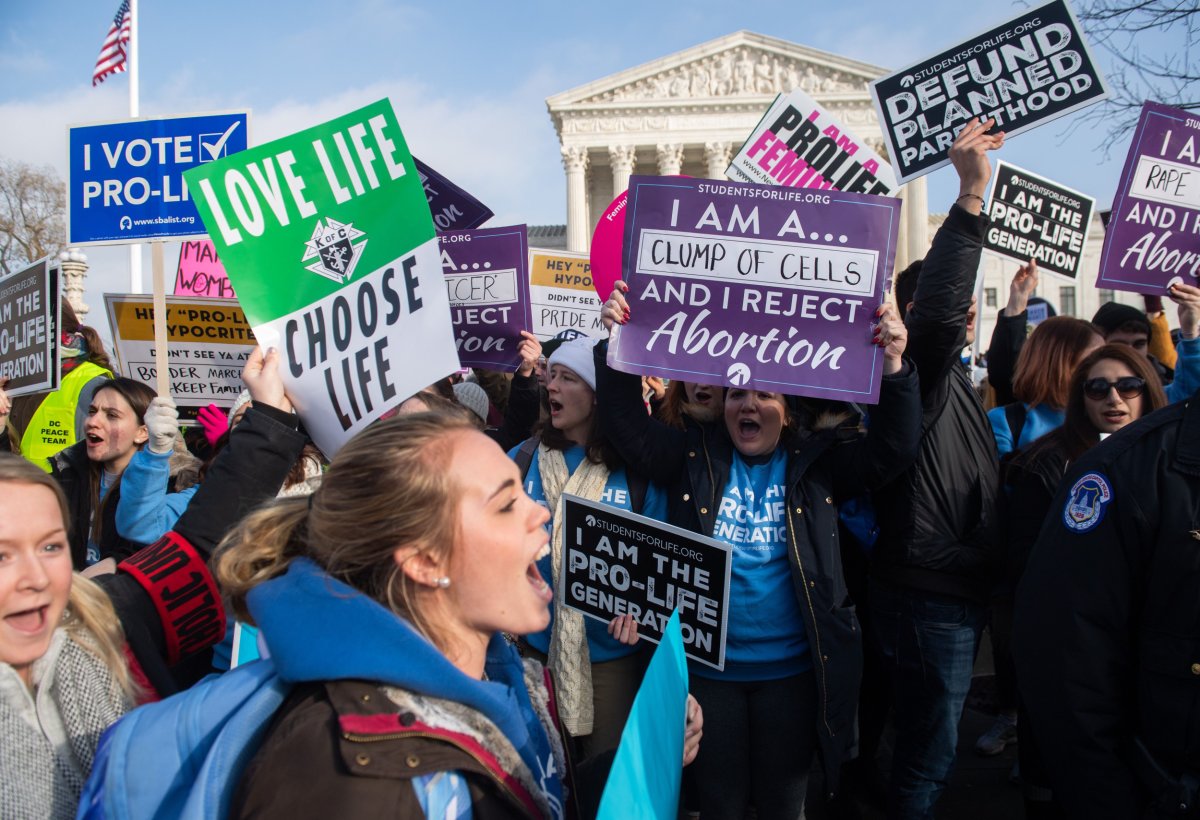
(337,247)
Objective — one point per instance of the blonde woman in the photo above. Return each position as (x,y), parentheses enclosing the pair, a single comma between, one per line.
(77,654)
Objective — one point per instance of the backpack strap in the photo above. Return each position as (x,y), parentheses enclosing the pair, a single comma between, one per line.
(1015,414)
(524,455)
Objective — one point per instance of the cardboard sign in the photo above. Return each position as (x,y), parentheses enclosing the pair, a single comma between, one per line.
(487,282)
(326,235)
(1034,218)
(1153,236)
(125,179)
(756,286)
(200,272)
(563,302)
(208,340)
(619,563)
(800,144)
(29,315)
(1028,71)
(452,208)
(644,781)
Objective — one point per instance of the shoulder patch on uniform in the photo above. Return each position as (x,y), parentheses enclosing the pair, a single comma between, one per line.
(1086,504)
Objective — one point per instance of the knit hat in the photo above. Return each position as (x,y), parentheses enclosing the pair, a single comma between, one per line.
(577,356)
(242,398)
(1112,315)
(473,397)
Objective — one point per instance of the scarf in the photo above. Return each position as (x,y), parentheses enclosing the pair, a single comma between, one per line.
(569,660)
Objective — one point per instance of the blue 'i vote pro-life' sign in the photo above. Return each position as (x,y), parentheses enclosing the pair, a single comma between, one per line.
(125,181)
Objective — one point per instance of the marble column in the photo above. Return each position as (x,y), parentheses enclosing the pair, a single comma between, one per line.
(670,160)
(716,158)
(623,158)
(74,269)
(916,215)
(575,161)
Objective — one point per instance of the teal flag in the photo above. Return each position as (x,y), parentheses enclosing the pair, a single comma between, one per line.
(645,776)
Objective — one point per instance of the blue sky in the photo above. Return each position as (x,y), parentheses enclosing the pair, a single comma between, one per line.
(468,80)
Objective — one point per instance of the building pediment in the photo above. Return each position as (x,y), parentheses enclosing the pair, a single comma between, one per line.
(742,66)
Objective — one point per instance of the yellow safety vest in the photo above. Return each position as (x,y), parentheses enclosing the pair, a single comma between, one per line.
(52,427)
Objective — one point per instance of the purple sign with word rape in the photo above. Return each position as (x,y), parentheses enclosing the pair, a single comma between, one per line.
(763,286)
(1152,238)
(487,279)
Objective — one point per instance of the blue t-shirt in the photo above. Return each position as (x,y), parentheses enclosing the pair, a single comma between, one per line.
(766,636)
(601,646)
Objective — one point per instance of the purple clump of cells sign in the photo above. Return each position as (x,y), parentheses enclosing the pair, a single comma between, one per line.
(756,286)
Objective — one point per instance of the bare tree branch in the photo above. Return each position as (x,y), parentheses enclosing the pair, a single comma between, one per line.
(1154,46)
(31,214)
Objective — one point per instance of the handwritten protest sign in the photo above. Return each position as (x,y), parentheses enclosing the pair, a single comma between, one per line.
(1032,69)
(1034,218)
(800,144)
(754,285)
(645,776)
(487,281)
(619,563)
(452,208)
(200,272)
(562,300)
(29,313)
(327,237)
(208,341)
(1153,236)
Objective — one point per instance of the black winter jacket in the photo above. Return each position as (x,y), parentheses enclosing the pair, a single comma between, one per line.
(164,594)
(937,521)
(72,470)
(694,465)
(1106,634)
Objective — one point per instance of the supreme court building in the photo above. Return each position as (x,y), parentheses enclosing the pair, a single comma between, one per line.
(688,112)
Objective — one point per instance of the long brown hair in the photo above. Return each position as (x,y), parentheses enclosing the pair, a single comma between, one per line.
(387,488)
(89,618)
(1043,371)
(139,396)
(1077,434)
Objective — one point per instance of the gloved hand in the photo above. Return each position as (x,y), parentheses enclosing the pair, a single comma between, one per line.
(215,422)
(162,423)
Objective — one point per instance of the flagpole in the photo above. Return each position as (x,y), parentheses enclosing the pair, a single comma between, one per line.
(133,64)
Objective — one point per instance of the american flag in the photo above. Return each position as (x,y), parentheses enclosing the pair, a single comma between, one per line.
(112,53)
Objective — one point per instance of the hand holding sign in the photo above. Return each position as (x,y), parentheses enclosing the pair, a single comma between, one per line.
(1022,287)
(1188,299)
(261,375)
(616,309)
(969,157)
(892,335)
(530,350)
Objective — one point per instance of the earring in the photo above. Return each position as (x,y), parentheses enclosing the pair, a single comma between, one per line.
(442,583)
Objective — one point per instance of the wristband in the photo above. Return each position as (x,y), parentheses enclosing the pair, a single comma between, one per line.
(969,196)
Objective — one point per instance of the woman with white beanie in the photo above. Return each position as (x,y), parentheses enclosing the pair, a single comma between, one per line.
(596,674)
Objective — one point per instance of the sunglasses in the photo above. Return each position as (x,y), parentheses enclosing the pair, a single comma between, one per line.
(1128,387)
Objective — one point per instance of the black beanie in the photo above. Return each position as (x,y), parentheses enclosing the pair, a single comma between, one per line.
(1112,315)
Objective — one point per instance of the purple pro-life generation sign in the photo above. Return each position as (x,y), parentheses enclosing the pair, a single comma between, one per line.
(487,279)
(760,286)
(1152,238)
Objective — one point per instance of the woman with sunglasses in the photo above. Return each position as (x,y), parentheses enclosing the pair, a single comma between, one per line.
(1112,387)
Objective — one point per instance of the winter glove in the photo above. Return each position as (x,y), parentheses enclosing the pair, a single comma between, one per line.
(162,423)
(214,421)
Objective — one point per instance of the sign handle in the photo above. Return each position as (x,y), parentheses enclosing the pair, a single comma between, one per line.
(163,375)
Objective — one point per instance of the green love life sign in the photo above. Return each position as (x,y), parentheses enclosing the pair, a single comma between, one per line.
(328,242)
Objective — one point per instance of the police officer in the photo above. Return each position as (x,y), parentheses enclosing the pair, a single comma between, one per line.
(1107,625)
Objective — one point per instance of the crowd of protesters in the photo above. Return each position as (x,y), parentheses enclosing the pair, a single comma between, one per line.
(416,660)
